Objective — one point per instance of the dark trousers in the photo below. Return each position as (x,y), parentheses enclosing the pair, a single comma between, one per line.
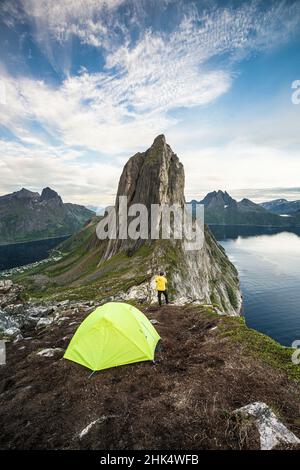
(165,293)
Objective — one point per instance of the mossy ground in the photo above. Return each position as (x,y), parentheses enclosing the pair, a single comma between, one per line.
(260,346)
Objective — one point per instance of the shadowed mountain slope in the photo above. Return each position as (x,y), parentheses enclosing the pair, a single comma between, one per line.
(26,215)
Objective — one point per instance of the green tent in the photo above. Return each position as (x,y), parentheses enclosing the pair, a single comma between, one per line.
(113,335)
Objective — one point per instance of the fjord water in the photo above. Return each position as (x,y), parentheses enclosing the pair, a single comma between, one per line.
(268,261)
(20,254)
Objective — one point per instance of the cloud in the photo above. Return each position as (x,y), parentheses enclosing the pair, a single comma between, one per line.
(88,19)
(55,167)
(263,194)
(95,20)
(240,164)
(118,109)
(130,100)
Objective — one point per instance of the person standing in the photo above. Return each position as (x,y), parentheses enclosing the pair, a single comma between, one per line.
(161,287)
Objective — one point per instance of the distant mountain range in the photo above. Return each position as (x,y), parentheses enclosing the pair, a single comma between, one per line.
(282,206)
(99,210)
(27,215)
(221,208)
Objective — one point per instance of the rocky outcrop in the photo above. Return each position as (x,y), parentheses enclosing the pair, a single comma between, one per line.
(19,317)
(26,215)
(272,432)
(9,293)
(204,275)
(48,194)
(152,177)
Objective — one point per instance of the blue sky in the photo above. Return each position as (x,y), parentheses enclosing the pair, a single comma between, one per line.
(86,84)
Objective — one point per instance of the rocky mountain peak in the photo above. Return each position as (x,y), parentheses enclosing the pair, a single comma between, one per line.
(26,216)
(159,140)
(153,177)
(218,198)
(25,194)
(247,202)
(156,176)
(48,194)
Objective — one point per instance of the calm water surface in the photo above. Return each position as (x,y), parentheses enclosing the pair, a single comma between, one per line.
(20,254)
(268,261)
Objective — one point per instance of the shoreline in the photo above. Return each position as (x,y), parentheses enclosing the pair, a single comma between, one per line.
(249,225)
(33,241)
(207,223)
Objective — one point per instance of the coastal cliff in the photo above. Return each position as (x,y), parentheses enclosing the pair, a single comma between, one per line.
(125,269)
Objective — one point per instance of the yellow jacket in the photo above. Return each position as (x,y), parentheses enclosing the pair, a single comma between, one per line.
(160,282)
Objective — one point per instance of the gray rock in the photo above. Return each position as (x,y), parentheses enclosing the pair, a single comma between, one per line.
(272,432)
(7,322)
(12,331)
(39,311)
(18,337)
(5,286)
(44,322)
(50,352)
(62,319)
(9,293)
(14,309)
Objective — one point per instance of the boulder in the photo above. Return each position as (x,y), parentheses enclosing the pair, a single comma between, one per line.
(44,322)
(272,431)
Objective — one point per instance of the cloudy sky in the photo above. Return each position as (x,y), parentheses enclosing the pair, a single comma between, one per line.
(84,84)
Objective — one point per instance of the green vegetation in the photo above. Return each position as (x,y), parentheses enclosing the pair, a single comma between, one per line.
(79,276)
(232,295)
(259,345)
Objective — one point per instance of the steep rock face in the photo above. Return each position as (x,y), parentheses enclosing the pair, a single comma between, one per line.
(49,194)
(105,270)
(26,215)
(152,177)
(204,276)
